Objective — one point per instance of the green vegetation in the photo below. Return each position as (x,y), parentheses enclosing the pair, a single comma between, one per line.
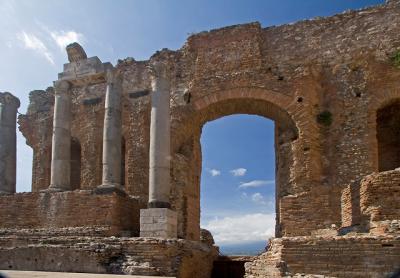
(325,118)
(396,59)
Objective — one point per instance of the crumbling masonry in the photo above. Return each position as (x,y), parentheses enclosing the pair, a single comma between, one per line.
(117,155)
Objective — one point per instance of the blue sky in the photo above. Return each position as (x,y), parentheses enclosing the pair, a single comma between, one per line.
(32,41)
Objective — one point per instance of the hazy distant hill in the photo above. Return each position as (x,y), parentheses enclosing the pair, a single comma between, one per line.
(253,248)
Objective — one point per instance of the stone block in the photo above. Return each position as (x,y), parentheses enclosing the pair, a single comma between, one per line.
(84,70)
(158,222)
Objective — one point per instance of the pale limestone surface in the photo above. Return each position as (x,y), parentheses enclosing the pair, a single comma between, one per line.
(160,155)
(158,222)
(112,133)
(61,142)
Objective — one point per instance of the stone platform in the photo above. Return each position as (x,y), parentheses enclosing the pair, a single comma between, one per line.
(39,274)
(105,255)
(356,256)
(114,214)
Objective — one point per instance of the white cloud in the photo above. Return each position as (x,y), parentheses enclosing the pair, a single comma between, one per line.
(32,42)
(239,172)
(258,198)
(242,228)
(256,183)
(214,172)
(63,38)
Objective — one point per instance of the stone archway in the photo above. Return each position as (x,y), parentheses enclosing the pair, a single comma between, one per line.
(288,115)
(388,136)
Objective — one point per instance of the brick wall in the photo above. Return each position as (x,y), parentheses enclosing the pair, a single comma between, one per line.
(70,209)
(379,201)
(133,256)
(334,257)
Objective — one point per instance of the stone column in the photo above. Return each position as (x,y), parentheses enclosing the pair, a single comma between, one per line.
(61,141)
(8,142)
(159,156)
(159,220)
(111,179)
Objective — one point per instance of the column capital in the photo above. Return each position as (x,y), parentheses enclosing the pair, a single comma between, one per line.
(61,86)
(8,99)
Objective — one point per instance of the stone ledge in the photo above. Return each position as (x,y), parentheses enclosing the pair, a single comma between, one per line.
(39,274)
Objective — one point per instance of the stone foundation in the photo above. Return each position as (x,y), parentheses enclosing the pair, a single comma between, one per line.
(113,214)
(136,256)
(355,256)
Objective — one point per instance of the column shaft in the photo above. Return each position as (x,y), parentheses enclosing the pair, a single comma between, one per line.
(8,142)
(61,141)
(112,133)
(160,157)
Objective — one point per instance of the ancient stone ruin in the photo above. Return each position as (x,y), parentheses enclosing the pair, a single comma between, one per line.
(117,155)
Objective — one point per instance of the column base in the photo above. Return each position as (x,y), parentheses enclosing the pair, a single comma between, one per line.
(53,189)
(2,193)
(109,189)
(158,222)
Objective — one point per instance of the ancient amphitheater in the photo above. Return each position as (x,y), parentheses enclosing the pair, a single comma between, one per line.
(117,155)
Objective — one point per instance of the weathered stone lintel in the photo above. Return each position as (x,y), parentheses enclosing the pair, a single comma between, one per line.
(91,70)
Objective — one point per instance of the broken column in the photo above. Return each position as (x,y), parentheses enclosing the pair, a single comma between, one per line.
(111,180)
(9,105)
(61,141)
(159,220)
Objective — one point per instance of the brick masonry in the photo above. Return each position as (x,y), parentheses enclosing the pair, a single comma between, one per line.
(329,84)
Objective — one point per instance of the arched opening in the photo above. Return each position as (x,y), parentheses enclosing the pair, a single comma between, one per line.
(75,177)
(388,135)
(187,160)
(238,183)
(123,162)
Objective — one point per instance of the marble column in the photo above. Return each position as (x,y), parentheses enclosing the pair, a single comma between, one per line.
(61,141)
(159,220)
(160,157)
(9,105)
(112,132)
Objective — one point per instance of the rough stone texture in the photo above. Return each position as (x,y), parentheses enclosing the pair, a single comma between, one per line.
(361,256)
(139,256)
(158,222)
(331,88)
(39,274)
(9,105)
(117,215)
(379,200)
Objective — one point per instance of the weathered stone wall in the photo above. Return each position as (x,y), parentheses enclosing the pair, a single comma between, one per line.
(379,202)
(322,81)
(137,256)
(113,214)
(334,257)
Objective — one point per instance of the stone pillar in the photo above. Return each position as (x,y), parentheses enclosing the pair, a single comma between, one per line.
(111,180)
(8,142)
(159,156)
(159,220)
(61,141)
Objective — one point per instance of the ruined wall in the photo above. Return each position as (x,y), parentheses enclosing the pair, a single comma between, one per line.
(334,257)
(147,257)
(379,202)
(110,214)
(322,81)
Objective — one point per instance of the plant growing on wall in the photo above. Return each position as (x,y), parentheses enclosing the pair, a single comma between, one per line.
(396,59)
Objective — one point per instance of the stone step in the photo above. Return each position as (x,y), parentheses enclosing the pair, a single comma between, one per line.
(40,274)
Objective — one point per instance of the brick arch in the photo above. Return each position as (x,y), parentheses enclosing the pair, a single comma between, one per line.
(379,100)
(295,124)
(275,104)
